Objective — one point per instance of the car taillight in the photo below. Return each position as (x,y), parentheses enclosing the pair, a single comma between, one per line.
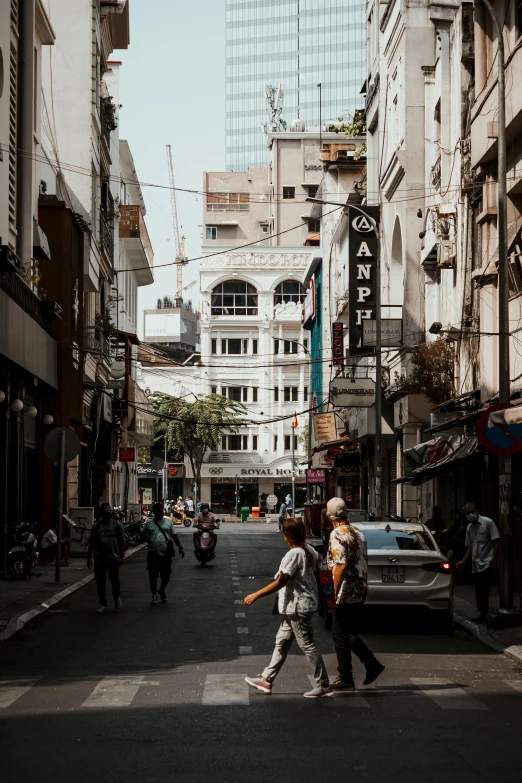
(440,568)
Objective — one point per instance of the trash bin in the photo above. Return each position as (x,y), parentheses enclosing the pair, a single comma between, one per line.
(256,512)
(245,512)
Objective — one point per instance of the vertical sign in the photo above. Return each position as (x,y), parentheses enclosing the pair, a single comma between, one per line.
(362,258)
(338,344)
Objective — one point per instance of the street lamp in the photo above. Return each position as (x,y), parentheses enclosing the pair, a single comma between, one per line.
(378,346)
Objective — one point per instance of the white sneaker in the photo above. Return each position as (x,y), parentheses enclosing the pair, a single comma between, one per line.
(101,609)
(319,692)
(118,604)
(155,599)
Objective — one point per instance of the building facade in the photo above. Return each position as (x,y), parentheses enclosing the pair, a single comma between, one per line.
(298,43)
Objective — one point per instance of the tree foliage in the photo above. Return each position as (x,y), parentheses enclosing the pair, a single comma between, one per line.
(354,128)
(432,372)
(195,427)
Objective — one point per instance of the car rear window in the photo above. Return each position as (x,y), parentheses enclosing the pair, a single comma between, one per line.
(397,539)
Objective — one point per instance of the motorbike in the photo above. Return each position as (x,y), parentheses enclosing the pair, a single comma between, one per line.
(22,556)
(205,541)
(132,532)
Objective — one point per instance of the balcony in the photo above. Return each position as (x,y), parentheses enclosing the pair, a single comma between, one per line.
(18,290)
(135,238)
(96,343)
(235,457)
(141,414)
(107,236)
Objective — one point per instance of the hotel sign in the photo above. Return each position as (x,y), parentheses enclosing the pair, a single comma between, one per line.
(362,285)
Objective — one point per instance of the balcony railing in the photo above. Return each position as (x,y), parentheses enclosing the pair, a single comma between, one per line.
(95,342)
(107,235)
(133,227)
(17,289)
(235,457)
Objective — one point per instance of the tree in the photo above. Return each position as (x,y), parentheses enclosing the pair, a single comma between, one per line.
(196,427)
(432,372)
(354,128)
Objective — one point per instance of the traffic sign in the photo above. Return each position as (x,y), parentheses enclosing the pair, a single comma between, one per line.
(71,446)
(504,440)
(157,463)
(271,500)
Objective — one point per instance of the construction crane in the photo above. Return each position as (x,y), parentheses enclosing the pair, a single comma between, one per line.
(179,241)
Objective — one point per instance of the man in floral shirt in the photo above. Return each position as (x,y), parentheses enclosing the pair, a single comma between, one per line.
(347,559)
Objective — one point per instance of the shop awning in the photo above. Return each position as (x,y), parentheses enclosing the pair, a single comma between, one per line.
(467,448)
(328,444)
(511,415)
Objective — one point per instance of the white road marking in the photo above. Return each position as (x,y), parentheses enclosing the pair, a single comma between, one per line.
(350,699)
(450,697)
(235,573)
(239,615)
(238,592)
(221,689)
(115,692)
(242,630)
(515,684)
(238,600)
(245,651)
(11,690)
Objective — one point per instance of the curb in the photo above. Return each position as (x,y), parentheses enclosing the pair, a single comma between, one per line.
(480,632)
(16,624)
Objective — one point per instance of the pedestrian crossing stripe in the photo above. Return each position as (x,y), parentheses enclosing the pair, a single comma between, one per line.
(12,690)
(446,694)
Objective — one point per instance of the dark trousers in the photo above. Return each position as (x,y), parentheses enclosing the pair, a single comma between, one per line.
(346,640)
(109,569)
(158,565)
(483,582)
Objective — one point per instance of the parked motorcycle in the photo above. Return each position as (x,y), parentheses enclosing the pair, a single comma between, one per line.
(132,532)
(22,556)
(205,541)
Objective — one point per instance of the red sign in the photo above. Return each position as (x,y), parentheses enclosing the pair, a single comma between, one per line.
(173,471)
(501,439)
(338,343)
(334,452)
(127,454)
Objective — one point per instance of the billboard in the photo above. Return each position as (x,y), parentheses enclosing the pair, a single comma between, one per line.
(170,326)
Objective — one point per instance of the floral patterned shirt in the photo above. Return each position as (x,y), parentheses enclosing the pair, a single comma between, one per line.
(348,547)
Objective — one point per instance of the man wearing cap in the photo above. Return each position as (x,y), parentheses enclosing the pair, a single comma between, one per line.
(347,559)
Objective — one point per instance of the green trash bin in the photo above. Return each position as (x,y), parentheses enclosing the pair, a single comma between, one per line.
(245,513)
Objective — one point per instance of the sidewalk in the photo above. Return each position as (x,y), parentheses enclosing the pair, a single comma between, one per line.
(21,602)
(505,640)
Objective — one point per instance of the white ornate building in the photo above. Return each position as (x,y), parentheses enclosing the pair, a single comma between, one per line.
(254,350)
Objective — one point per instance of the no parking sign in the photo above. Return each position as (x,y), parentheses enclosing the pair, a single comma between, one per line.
(501,438)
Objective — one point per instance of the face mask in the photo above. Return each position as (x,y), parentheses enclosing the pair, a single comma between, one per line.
(472,517)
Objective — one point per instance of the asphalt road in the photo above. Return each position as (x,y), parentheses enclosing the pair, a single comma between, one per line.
(156,693)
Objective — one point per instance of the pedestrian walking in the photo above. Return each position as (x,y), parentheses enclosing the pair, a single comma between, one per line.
(297,601)
(161,538)
(482,541)
(107,544)
(288,502)
(347,559)
(283,513)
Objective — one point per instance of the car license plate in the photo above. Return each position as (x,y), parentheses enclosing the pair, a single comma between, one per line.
(393,574)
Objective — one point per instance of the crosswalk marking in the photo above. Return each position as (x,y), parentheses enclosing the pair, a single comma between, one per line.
(238,600)
(11,690)
(446,694)
(112,692)
(222,689)
(242,630)
(240,615)
(515,684)
(353,699)
(245,651)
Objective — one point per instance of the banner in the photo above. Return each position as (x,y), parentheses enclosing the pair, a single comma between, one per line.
(362,259)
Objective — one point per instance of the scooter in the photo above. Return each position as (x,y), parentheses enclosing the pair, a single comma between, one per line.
(132,532)
(205,541)
(22,556)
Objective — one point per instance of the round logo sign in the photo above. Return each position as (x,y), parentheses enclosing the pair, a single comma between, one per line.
(362,224)
(271,500)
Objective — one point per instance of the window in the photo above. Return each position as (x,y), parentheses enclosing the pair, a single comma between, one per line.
(515,265)
(245,393)
(275,442)
(264,228)
(254,393)
(290,393)
(276,346)
(213,389)
(288,192)
(231,347)
(312,190)
(306,393)
(228,202)
(254,442)
(245,346)
(305,343)
(289,291)
(211,232)
(314,226)
(291,346)
(234,442)
(213,347)
(288,442)
(234,297)
(254,347)
(232,392)
(518,16)
(276,394)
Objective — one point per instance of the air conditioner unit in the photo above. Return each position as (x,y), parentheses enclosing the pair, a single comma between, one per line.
(446,253)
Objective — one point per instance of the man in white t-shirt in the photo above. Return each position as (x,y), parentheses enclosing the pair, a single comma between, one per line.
(49,545)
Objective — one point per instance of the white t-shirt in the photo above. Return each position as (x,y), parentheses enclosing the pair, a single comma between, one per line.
(300,592)
(49,538)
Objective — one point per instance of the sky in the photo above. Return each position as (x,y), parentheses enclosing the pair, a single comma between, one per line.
(173,92)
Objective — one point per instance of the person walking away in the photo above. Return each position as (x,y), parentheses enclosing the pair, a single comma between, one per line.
(297,601)
(482,541)
(161,538)
(288,502)
(436,524)
(347,559)
(107,544)
(49,544)
(190,505)
(283,513)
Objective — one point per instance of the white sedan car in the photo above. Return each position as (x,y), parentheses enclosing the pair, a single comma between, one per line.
(407,568)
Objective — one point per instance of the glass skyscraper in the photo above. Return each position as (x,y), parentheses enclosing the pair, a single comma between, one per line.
(297,43)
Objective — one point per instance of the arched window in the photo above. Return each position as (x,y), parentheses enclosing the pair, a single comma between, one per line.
(289,291)
(234,297)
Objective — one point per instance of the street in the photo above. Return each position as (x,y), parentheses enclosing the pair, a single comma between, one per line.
(156,693)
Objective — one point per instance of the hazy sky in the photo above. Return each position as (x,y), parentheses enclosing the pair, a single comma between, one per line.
(173,92)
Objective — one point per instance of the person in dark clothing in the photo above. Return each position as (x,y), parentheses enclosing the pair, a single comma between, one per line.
(161,537)
(436,524)
(107,544)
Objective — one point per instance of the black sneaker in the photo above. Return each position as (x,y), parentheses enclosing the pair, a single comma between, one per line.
(372,672)
(341,685)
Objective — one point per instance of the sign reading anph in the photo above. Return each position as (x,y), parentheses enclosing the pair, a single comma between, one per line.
(362,260)
(352,392)
(338,344)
